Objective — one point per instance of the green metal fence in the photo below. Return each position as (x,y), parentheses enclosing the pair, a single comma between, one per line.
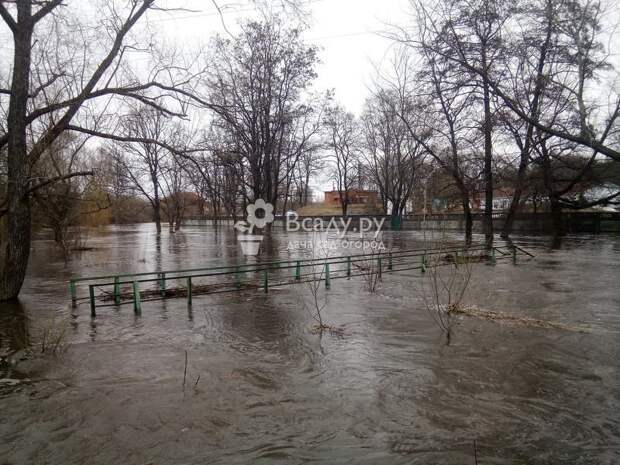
(135,288)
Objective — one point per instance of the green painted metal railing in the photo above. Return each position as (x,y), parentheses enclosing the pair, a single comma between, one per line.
(324,268)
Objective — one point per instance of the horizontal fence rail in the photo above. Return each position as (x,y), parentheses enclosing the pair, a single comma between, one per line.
(572,221)
(135,288)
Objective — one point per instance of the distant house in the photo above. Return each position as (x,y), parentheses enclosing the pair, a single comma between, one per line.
(501,200)
(477,202)
(355,196)
(604,191)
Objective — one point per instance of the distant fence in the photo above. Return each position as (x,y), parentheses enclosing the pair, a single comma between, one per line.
(576,222)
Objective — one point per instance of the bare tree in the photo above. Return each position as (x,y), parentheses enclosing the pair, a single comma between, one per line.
(438,110)
(393,155)
(147,160)
(343,137)
(61,203)
(175,183)
(468,34)
(52,80)
(310,164)
(256,84)
(577,28)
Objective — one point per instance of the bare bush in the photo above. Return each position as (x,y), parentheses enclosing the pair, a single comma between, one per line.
(315,284)
(448,275)
(53,338)
(371,270)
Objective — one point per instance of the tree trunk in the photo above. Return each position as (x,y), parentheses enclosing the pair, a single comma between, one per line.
(306,186)
(516,199)
(178,220)
(397,215)
(285,204)
(556,216)
(488,159)
(18,221)
(157,215)
(468,219)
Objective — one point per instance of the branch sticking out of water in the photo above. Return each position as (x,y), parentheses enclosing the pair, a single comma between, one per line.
(475,453)
(185,371)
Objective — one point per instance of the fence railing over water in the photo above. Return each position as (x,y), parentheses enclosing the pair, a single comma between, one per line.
(572,221)
(119,289)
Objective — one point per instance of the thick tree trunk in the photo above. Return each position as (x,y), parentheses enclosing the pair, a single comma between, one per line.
(512,212)
(178,220)
(556,217)
(516,199)
(157,215)
(18,221)
(554,204)
(397,215)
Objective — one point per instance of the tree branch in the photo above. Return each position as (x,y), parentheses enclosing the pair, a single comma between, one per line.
(52,134)
(55,179)
(45,10)
(8,19)
(143,140)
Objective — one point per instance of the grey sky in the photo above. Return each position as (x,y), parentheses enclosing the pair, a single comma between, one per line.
(346,30)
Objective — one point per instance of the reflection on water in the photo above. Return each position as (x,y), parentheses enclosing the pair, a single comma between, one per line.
(261,387)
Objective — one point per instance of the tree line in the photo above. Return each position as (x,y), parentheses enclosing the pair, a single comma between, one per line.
(480,93)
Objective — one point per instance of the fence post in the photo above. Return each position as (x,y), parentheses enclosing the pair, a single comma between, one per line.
(390,261)
(91,294)
(73,292)
(237,278)
(514,255)
(162,284)
(327,280)
(117,291)
(266,281)
(493,260)
(189,290)
(349,266)
(379,267)
(423,267)
(297,271)
(137,305)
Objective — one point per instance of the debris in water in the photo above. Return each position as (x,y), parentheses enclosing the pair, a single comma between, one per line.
(519,320)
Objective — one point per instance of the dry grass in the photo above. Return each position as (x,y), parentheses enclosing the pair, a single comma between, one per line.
(54,339)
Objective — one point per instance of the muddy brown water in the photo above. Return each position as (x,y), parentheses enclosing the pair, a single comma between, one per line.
(262,387)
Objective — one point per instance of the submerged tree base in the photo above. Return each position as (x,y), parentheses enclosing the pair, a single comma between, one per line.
(321,328)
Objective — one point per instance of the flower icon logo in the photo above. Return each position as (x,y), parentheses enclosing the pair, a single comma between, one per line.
(249,242)
(267,217)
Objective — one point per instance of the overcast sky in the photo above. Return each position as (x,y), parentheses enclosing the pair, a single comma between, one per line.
(348,32)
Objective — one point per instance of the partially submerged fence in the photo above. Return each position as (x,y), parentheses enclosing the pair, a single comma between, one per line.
(135,288)
(572,221)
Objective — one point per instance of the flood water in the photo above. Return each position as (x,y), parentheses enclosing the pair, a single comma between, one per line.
(261,386)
